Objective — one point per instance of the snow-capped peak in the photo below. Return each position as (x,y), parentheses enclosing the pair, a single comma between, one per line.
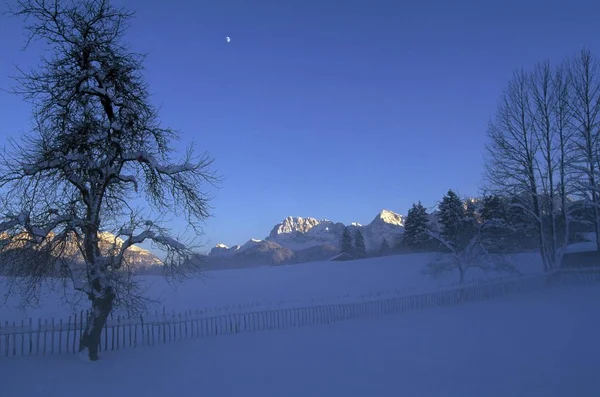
(224,250)
(293,224)
(253,242)
(387,216)
(306,237)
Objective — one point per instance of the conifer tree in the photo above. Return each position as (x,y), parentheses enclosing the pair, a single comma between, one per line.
(416,223)
(359,245)
(452,215)
(346,244)
(385,247)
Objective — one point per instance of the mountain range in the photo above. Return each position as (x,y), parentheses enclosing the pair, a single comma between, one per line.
(293,240)
(137,258)
(298,239)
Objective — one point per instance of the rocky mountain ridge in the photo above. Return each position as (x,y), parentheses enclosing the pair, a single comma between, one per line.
(300,239)
(137,258)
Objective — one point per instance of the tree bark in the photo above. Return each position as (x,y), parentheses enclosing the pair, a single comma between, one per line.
(101,308)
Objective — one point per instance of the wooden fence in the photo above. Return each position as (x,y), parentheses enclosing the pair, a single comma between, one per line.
(41,338)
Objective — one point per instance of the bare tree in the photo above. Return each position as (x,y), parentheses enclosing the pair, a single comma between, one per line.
(584,78)
(564,155)
(551,114)
(96,145)
(512,154)
(529,157)
(472,251)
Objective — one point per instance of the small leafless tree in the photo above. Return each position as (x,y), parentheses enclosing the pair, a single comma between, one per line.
(474,248)
(96,145)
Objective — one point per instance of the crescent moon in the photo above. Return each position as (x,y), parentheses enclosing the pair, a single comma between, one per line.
(228,39)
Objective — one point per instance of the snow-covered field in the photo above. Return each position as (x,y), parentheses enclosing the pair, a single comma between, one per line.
(530,344)
(281,286)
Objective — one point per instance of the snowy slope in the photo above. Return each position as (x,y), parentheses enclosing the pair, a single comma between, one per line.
(282,286)
(532,345)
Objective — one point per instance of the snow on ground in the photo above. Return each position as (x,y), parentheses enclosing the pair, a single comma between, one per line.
(536,344)
(581,247)
(267,287)
(588,245)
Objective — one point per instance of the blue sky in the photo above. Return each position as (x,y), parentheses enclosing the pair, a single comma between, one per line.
(331,109)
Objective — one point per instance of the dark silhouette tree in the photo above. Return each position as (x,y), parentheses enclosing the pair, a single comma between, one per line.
(542,149)
(96,145)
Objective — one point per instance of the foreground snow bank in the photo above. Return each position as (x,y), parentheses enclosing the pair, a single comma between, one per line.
(531,344)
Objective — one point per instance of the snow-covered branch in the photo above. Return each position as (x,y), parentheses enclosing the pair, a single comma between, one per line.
(166,242)
(129,179)
(154,164)
(40,230)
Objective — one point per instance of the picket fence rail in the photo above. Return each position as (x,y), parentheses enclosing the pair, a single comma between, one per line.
(41,338)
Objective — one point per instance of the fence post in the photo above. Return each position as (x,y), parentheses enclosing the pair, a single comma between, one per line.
(164,323)
(112,332)
(22,337)
(180,327)
(185,317)
(197,321)
(60,325)
(151,333)
(14,347)
(174,321)
(37,337)
(74,333)
(45,335)
(81,330)
(135,332)
(6,338)
(30,336)
(116,331)
(159,328)
(52,338)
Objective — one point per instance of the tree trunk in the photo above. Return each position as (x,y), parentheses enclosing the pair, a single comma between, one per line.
(101,308)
